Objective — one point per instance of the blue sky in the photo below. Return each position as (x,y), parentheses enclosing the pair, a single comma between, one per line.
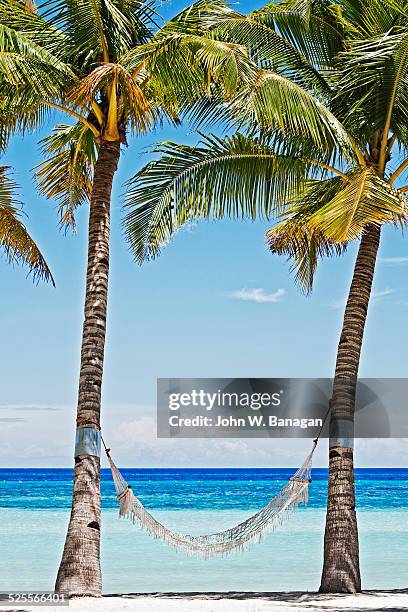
(215,303)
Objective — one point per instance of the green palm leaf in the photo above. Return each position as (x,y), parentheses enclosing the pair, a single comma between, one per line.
(273,101)
(181,60)
(100,29)
(303,248)
(315,28)
(366,199)
(373,84)
(36,29)
(15,242)
(238,177)
(67,171)
(23,62)
(270,50)
(298,239)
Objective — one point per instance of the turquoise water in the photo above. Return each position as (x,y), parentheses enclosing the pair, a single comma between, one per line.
(34,510)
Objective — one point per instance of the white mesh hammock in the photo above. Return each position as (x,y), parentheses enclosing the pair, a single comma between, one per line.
(273,514)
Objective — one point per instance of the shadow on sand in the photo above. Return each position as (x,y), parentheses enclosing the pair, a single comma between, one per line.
(307,601)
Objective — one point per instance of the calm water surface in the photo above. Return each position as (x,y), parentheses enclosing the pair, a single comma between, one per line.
(34,510)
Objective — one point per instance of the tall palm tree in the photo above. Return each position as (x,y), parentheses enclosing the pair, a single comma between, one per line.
(15,242)
(107,66)
(329,197)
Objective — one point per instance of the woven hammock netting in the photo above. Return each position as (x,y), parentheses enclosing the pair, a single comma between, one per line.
(294,492)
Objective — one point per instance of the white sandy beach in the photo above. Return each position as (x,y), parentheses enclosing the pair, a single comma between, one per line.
(379,601)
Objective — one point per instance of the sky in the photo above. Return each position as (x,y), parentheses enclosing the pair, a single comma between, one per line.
(215,303)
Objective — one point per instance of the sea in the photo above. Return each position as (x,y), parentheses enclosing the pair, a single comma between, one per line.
(35,506)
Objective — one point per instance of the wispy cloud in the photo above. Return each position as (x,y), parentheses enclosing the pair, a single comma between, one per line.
(29,407)
(376,296)
(11,420)
(258,295)
(394,261)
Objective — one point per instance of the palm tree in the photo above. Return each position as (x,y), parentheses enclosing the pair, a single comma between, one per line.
(328,197)
(15,242)
(113,73)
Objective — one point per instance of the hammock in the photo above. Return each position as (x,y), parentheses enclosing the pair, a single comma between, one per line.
(274,513)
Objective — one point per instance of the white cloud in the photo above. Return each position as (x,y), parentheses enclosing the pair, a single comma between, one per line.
(378,295)
(29,407)
(11,420)
(388,452)
(375,297)
(135,443)
(47,440)
(258,295)
(394,261)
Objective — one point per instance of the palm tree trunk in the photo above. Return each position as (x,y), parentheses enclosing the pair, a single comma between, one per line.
(79,572)
(341,569)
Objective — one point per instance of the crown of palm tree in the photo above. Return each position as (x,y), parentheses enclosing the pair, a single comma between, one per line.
(353,58)
(107,65)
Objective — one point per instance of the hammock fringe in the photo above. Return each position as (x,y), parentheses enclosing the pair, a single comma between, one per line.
(274,514)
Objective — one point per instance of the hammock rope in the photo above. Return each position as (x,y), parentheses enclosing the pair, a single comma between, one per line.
(274,513)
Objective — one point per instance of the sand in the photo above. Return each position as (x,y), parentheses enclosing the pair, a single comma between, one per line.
(379,601)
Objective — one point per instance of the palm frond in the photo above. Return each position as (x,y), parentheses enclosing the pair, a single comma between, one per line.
(178,69)
(366,199)
(21,110)
(35,28)
(100,30)
(373,18)
(273,101)
(183,58)
(295,237)
(133,103)
(15,242)
(303,248)
(238,177)
(270,50)
(66,174)
(372,84)
(315,28)
(24,62)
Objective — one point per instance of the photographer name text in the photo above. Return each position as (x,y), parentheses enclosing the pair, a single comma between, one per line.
(256,420)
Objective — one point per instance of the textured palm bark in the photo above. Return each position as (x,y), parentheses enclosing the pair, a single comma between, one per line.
(79,572)
(341,570)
